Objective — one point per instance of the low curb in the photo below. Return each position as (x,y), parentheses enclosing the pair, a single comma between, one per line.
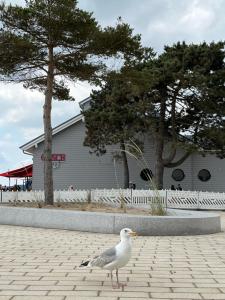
(179,223)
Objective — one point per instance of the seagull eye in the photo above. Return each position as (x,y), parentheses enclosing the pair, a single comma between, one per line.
(125,230)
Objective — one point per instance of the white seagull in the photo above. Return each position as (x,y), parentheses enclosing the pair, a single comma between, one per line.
(114,258)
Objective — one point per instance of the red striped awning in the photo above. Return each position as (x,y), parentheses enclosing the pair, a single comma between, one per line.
(19,173)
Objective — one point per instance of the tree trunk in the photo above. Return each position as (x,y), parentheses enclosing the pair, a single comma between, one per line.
(125,165)
(159,166)
(159,139)
(48,180)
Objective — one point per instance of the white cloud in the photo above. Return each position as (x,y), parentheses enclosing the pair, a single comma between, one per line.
(3,157)
(161,27)
(14,115)
(7,136)
(193,21)
(197,17)
(24,108)
(6,139)
(29,133)
(17,104)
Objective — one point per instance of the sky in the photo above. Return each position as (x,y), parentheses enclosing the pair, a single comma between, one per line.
(160,22)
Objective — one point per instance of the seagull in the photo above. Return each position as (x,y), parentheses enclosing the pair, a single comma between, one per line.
(115,257)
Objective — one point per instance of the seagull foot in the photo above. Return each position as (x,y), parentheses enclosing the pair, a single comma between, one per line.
(122,284)
(115,286)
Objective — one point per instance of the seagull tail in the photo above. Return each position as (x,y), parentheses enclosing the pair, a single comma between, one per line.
(85,264)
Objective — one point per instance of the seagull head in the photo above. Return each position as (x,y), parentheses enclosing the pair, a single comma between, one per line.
(126,233)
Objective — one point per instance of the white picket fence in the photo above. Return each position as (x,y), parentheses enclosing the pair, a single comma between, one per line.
(169,198)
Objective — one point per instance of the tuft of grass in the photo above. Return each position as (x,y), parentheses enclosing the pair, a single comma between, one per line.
(123,202)
(39,204)
(157,207)
(89,197)
(83,207)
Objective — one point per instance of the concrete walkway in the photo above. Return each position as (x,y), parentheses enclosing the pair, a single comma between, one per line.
(38,264)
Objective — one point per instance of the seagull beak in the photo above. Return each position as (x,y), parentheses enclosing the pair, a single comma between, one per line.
(133,233)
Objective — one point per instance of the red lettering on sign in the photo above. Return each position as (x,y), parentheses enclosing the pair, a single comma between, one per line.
(56,157)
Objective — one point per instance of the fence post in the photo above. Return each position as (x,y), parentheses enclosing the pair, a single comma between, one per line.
(166,200)
(198,201)
(17,196)
(1,195)
(91,195)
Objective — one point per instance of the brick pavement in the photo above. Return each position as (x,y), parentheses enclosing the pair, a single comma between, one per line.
(42,264)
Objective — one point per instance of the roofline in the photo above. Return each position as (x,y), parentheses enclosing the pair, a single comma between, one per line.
(81,103)
(55,130)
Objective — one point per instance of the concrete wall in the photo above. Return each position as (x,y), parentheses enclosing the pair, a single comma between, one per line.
(85,171)
(183,223)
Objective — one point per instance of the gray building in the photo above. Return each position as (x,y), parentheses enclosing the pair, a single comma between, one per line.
(74,165)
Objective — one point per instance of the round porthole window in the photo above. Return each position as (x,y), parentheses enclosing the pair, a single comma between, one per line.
(204,175)
(146,174)
(178,174)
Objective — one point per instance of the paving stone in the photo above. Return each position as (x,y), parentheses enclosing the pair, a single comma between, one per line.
(17,287)
(92,298)
(80,283)
(74,293)
(211,285)
(19,278)
(37,298)
(2,281)
(124,294)
(147,289)
(22,293)
(172,284)
(50,288)
(213,296)
(180,296)
(132,298)
(196,290)
(34,282)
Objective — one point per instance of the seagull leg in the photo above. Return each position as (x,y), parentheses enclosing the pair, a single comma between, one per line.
(113,286)
(117,278)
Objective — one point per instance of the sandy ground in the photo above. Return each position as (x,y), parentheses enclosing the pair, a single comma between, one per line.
(84,207)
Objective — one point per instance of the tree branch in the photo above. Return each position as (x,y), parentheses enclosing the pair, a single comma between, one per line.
(172,155)
(179,161)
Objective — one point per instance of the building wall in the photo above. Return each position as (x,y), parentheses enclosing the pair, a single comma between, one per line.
(186,166)
(85,171)
(216,167)
(80,169)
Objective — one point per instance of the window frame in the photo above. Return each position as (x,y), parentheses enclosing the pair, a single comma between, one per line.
(146,170)
(180,170)
(205,170)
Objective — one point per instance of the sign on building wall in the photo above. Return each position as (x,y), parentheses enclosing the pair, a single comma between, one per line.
(56,157)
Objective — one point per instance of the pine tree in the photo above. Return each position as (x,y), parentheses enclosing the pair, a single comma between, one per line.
(186,85)
(114,117)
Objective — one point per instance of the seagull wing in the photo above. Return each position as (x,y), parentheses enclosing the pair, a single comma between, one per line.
(104,259)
